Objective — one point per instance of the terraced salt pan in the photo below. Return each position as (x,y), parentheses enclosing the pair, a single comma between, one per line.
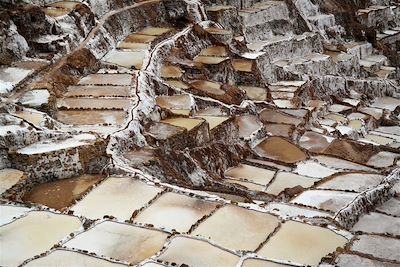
(391,207)
(210,60)
(156,31)
(8,178)
(197,253)
(379,140)
(278,117)
(54,145)
(378,223)
(337,163)
(11,76)
(248,185)
(174,101)
(91,117)
(378,246)
(208,87)
(255,93)
(9,212)
(152,264)
(36,118)
(395,130)
(216,51)
(246,229)
(61,193)
(292,211)
(98,91)
(171,72)
(218,31)
(139,38)
(33,234)
(187,123)
(260,263)
(250,173)
(247,124)
(389,103)
(59,8)
(344,260)
(120,241)
(279,149)
(374,112)
(177,84)
(214,121)
(35,98)
(383,159)
(357,182)
(285,180)
(314,169)
(66,258)
(118,197)
(175,211)
(324,199)
(125,59)
(242,65)
(93,103)
(315,142)
(301,243)
(336,117)
(278,129)
(107,79)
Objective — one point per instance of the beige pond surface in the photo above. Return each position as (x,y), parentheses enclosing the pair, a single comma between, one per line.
(253,174)
(107,79)
(378,246)
(338,163)
(33,234)
(214,51)
(208,87)
(357,182)
(98,91)
(120,241)
(171,72)
(197,253)
(9,213)
(242,65)
(177,84)
(389,103)
(248,185)
(301,243)
(279,149)
(175,211)
(278,117)
(139,38)
(91,117)
(278,129)
(324,199)
(118,197)
(8,178)
(209,60)
(93,103)
(260,263)
(174,101)
(315,142)
(237,228)
(285,180)
(59,8)
(65,258)
(187,123)
(125,59)
(213,30)
(36,118)
(133,46)
(255,93)
(378,223)
(155,30)
(61,193)
(247,124)
(214,121)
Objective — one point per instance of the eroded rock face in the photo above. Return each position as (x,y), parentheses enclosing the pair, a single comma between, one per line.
(170,125)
